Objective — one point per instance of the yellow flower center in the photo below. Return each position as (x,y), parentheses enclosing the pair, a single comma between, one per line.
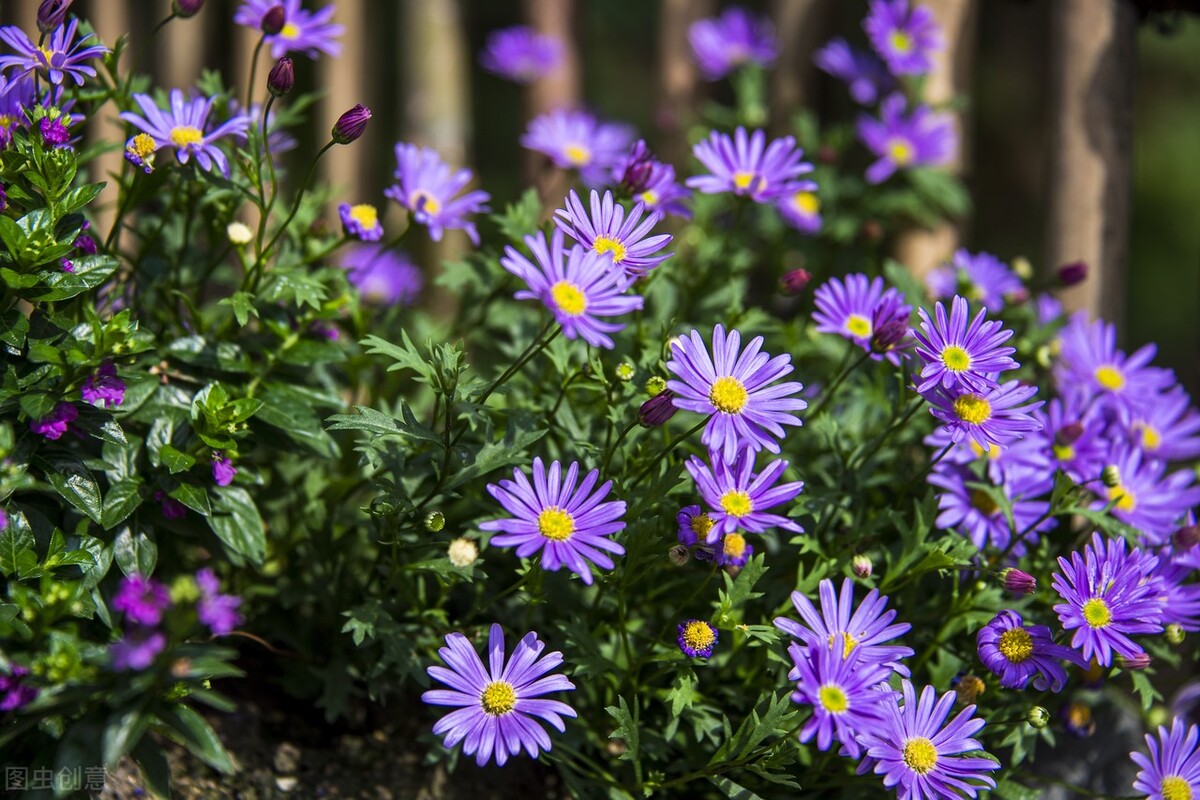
(984,502)
(920,755)
(569,298)
(993,451)
(577,154)
(1125,499)
(1151,438)
(833,699)
(973,408)
(900,151)
(649,197)
(422,200)
(184,135)
(498,698)
(806,202)
(1064,452)
(701,524)
(955,358)
(607,244)
(556,524)
(6,121)
(734,545)
(1176,788)
(142,145)
(736,504)
(848,642)
(365,215)
(290,31)
(1079,716)
(728,395)
(858,326)
(1097,613)
(742,180)
(1110,378)
(900,41)
(47,54)
(1016,645)
(697,635)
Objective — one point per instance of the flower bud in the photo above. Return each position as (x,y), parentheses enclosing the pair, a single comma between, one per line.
(462,552)
(657,410)
(862,566)
(1111,476)
(186,8)
(1187,537)
(1044,357)
(1022,267)
(655,385)
(1069,434)
(1038,717)
(51,14)
(1017,296)
(968,688)
(1138,662)
(872,231)
(827,154)
(794,281)
(1174,634)
(1018,582)
(886,336)
(281,77)
(273,21)
(678,555)
(639,168)
(1074,273)
(351,125)
(625,372)
(239,233)
(435,521)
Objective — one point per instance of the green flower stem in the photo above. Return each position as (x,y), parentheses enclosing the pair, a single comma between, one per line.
(827,395)
(620,438)
(536,346)
(253,72)
(913,406)
(666,451)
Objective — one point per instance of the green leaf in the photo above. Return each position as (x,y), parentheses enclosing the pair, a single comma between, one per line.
(520,218)
(122,499)
(17,549)
(380,424)
(237,523)
(135,553)
(123,731)
(153,763)
(242,304)
(627,729)
(495,455)
(74,483)
(733,790)
(194,497)
(175,461)
(293,415)
(404,354)
(13,327)
(197,736)
(88,273)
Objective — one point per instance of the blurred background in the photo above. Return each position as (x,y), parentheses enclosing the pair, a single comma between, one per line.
(1082,130)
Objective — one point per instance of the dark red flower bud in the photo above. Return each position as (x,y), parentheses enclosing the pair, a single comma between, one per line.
(1069,434)
(639,168)
(1073,273)
(872,231)
(282,77)
(1140,661)
(657,410)
(51,14)
(186,8)
(1019,582)
(795,280)
(274,20)
(827,154)
(1187,537)
(351,125)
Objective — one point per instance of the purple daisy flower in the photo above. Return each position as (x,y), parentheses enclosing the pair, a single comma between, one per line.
(361,221)
(1073,438)
(960,355)
(14,691)
(844,691)
(1049,308)
(722,44)
(577,140)
(58,57)
(835,627)
(1090,365)
(498,705)
(901,141)
(1181,600)
(578,287)
(980,277)
(1016,652)
(54,425)
(991,417)
(697,638)
(977,514)
(731,385)
(848,309)
(862,72)
(1147,499)
(182,128)
(569,525)
(1166,428)
(739,499)
(1021,460)
(521,54)
(1108,596)
(904,38)
(137,650)
(1172,769)
(694,525)
(427,188)
(103,387)
(609,231)
(382,275)
(217,611)
(802,211)
(920,755)
(308,32)
(16,95)
(141,599)
(747,166)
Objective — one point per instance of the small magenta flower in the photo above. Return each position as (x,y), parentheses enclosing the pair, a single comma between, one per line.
(497,705)
(59,57)
(863,73)
(223,470)
(282,77)
(844,691)
(290,28)
(737,498)
(746,165)
(54,425)
(103,387)
(697,638)
(426,186)
(521,54)
(54,130)
(906,38)
(1017,653)
(361,221)
(577,140)
(137,650)
(383,276)
(14,691)
(142,599)
(171,508)
(182,127)
(608,231)
(1172,769)
(901,141)
(567,523)
(217,611)
(722,44)
(351,124)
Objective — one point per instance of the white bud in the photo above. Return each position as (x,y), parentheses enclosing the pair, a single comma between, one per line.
(239,233)
(463,552)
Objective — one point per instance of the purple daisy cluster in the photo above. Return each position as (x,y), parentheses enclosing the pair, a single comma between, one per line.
(866,313)
(843,661)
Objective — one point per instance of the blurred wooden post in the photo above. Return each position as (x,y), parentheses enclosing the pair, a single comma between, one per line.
(1092,58)
(347,84)
(180,50)
(106,125)
(562,88)
(922,249)
(678,75)
(802,27)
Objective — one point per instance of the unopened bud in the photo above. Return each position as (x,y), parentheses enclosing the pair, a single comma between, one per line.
(1017,296)
(1131,663)
(51,14)
(862,566)
(968,688)
(625,372)
(1044,356)
(1069,434)
(239,233)
(462,552)
(1187,537)
(435,521)
(1022,267)
(887,336)
(1074,273)
(872,231)
(186,8)
(827,154)
(1038,717)
(351,125)
(1111,476)
(678,555)
(639,168)
(794,281)
(273,21)
(655,385)
(1018,582)
(282,77)
(657,410)
(1174,634)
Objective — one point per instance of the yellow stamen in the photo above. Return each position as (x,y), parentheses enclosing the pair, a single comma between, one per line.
(569,298)
(419,197)
(833,699)
(728,395)
(577,155)
(142,145)
(955,358)
(1016,645)
(806,202)
(858,326)
(365,215)
(848,642)
(973,408)
(701,524)
(736,504)
(1176,788)
(649,197)
(697,635)
(1151,438)
(1125,499)
(498,698)
(555,524)
(1110,377)
(289,31)
(734,545)
(984,502)
(1097,613)
(900,41)
(184,135)
(607,244)
(900,151)
(920,755)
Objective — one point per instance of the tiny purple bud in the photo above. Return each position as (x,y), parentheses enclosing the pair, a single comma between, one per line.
(3,197)
(1074,273)
(1187,537)
(51,14)
(1069,434)
(657,410)
(171,508)
(274,20)
(186,8)
(862,566)
(1018,582)
(282,77)
(54,132)
(639,168)
(223,469)
(1131,664)
(795,280)
(351,125)
(872,231)
(886,334)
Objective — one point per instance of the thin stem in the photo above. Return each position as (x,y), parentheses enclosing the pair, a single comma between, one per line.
(913,407)
(533,349)
(254,69)
(122,207)
(620,438)
(932,463)
(666,451)
(827,395)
